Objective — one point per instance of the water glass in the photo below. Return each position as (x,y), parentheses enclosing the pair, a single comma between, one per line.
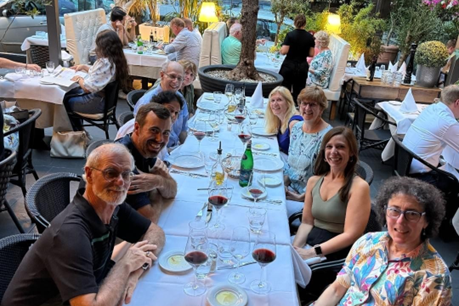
(256,217)
(253,118)
(389,78)
(224,247)
(50,67)
(383,67)
(20,70)
(398,78)
(218,96)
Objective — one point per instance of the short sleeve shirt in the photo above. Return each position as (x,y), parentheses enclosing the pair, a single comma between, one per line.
(299,42)
(231,50)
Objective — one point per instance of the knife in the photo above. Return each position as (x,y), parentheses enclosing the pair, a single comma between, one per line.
(188,173)
(209,213)
(235,265)
(199,215)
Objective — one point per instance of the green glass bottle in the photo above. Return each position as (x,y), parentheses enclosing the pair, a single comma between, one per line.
(246,166)
(139,45)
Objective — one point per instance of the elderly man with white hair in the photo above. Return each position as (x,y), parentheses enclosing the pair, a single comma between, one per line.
(231,45)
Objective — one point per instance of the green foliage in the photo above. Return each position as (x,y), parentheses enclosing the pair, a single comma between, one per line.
(286,8)
(431,54)
(316,21)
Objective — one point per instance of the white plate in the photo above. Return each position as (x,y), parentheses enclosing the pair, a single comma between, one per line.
(260,131)
(267,163)
(261,146)
(227,295)
(208,97)
(188,161)
(210,106)
(174,261)
(270,181)
(246,194)
(46,83)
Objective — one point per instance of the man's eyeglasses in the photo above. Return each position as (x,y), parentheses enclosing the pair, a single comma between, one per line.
(310,104)
(174,77)
(110,174)
(410,215)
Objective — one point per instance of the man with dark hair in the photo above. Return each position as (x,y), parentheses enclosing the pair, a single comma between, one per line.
(75,260)
(152,182)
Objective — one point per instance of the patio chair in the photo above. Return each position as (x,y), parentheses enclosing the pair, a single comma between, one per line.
(12,251)
(103,120)
(96,144)
(377,138)
(134,96)
(6,168)
(24,164)
(49,196)
(125,117)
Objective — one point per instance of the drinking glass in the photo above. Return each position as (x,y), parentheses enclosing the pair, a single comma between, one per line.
(256,217)
(238,94)
(50,67)
(253,118)
(199,129)
(213,124)
(196,255)
(398,78)
(264,252)
(229,89)
(19,70)
(224,247)
(208,163)
(245,134)
(218,197)
(240,248)
(217,96)
(256,189)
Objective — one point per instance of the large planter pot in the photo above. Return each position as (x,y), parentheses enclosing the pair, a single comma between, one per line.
(211,84)
(427,76)
(388,54)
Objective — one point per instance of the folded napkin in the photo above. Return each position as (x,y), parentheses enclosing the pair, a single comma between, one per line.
(402,69)
(408,104)
(301,269)
(360,66)
(257,97)
(13,77)
(392,68)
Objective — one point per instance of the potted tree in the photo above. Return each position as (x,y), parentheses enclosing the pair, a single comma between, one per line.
(430,57)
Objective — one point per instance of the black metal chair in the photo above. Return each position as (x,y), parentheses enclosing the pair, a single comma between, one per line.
(95,144)
(6,168)
(39,55)
(377,138)
(48,197)
(24,164)
(12,251)
(134,96)
(125,117)
(103,120)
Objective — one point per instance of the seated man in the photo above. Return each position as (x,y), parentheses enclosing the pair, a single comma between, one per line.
(231,45)
(71,262)
(8,64)
(195,31)
(151,133)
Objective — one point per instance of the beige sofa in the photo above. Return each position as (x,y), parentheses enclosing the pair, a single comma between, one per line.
(340,49)
(211,44)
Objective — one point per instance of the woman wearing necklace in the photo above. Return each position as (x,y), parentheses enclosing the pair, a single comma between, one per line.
(322,63)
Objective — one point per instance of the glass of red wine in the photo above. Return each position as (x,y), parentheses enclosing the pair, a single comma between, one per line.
(245,134)
(199,129)
(264,252)
(196,254)
(219,196)
(256,189)
(239,248)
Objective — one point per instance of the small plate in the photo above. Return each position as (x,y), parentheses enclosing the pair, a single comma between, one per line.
(270,181)
(395,103)
(260,131)
(46,83)
(246,194)
(261,146)
(227,295)
(267,163)
(210,106)
(209,97)
(188,161)
(174,261)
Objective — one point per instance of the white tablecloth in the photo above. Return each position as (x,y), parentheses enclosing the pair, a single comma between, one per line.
(269,63)
(144,65)
(39,41)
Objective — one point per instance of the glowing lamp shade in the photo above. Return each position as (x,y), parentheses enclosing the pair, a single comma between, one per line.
(207,13)
(333,24)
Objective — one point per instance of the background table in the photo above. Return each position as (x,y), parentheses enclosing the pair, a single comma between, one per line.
(162,33)
(144,65)
(263,61)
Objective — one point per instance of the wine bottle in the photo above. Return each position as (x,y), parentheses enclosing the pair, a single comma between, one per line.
(218,174)
(246,166)
(139,45)
(152,38)
(371,70)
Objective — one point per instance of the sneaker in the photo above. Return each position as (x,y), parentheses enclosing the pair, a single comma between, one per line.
(122,95)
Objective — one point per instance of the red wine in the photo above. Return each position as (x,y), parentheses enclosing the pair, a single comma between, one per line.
(218,200)
(256,193)
(239,118)
(244,137)
(263,256)
(199,135)
(196,257)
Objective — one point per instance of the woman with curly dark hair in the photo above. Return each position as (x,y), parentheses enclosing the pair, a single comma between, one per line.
(110,66)
(400,266)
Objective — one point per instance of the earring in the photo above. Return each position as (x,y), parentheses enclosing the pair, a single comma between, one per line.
(351,160)
(423,233)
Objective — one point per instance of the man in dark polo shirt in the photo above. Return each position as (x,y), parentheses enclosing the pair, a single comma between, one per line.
(72,260)
(152,182)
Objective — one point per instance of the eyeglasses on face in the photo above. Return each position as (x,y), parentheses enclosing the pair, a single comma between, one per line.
(310,104)
(410,215)
(174,77)
(110,174)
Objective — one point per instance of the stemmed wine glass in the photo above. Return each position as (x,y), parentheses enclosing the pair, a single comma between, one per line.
(240,248)
(229,89)
(196,254)
(256,189)
(245,134)
(219,196)
(199,128)
(50,67)
(264,252)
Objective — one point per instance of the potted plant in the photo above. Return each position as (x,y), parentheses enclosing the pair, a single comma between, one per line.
(430,57)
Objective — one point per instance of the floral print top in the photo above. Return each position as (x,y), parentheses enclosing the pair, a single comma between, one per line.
(420,277)
(302,154)
(99,75)
(322,64)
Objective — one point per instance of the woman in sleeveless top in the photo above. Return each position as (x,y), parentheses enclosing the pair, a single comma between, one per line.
(337,202)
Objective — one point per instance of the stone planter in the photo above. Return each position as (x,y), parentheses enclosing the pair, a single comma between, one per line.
(427,76)
(388,54)
(211,84)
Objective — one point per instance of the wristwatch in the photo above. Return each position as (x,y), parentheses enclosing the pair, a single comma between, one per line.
(318,250)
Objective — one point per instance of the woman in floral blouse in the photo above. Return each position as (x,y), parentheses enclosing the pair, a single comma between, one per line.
(398,267)
(110,66)
(322,64)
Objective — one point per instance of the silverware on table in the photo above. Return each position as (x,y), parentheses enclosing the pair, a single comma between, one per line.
(264,153)
(235,265)
(209,213)
(278,202)
(191,174)
(201,211)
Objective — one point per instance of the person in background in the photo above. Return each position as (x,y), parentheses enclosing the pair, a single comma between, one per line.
(231,46)
(450,46)
(8,64)
(298,45)
(281,116)
(322,64)
(230,22)
(400,266)
(195,31)
(316,50)
(187,89)
(110,66)
(130,25)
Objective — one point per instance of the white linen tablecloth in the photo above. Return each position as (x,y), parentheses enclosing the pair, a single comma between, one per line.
(39,41)
(263,61)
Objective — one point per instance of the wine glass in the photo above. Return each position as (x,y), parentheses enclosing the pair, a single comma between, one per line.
(50,67)
(256,189)
(256,217)
(199,128)
(240,248)
(195,255)
(218,197)
(245,134)
(264,252)
(238,94)
(229,94)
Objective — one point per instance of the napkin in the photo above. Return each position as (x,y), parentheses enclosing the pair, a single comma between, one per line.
(392,68)
(360,66)
(402,69)
(301,269)
(257,97)
(13,77)
(408,104)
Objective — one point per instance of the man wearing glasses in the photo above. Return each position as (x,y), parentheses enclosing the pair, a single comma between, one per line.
(75,260)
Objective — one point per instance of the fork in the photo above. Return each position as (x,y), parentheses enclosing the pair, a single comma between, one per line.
(201,211)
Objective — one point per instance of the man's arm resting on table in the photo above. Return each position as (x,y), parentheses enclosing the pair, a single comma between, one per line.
(153,210)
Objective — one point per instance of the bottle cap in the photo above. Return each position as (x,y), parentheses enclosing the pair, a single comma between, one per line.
(219,150)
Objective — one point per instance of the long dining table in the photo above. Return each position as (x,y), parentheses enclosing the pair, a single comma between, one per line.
(160,287)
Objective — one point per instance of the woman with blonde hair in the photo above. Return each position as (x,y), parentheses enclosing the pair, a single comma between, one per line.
(322,63)
(281,116)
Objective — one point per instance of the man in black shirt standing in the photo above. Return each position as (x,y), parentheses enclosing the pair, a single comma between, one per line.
(72,260)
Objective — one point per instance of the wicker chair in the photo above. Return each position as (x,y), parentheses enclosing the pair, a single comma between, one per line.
(125,117)
(134,96)
(12,251)
(48,197)
(96,144)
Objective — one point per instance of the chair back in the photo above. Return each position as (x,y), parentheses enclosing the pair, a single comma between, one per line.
(365,172)
(48,197)
(6,168)
(12,251)
(96,144)
(25,129)
(402,158)
(373,224)
(111,98)
(340,50)
(80,31)
(125,117)
(212,39)
(134,96)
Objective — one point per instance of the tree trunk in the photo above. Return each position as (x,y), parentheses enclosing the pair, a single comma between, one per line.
(246,67)
(278,31)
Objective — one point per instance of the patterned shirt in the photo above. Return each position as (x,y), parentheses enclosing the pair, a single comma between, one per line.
(99,75)
(420,277)
(322,64)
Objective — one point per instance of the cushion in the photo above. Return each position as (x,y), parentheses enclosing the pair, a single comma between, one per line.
(340,50)
(211,44)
